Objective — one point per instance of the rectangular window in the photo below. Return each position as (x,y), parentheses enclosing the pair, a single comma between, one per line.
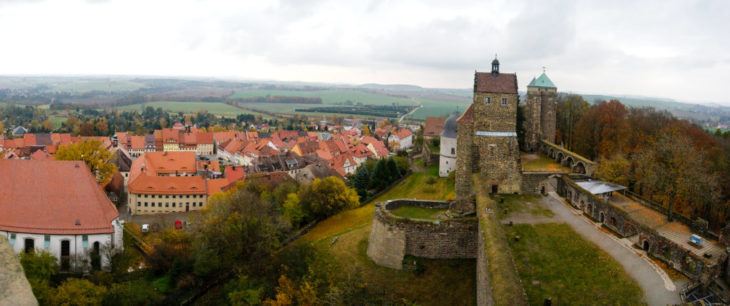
(167,196)
(12,238)
(173,204)
(453,150)
(85,241)
(187,196)
(486,100)
(167,204)
(504,101)
(145,195)
(145,204)
(47,241)
(139,204)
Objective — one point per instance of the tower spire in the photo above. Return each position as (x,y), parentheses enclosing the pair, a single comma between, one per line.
(495,65)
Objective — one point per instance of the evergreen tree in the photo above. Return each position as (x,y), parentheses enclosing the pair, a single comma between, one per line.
(380,176)
(361,182)
(393,172)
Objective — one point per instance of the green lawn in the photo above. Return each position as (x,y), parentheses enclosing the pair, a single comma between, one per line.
(514,203)
(554,261)
(215,108)
(411,187)
(418,212)
(541,163)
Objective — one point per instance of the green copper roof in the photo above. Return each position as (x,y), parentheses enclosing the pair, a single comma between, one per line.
(542,81)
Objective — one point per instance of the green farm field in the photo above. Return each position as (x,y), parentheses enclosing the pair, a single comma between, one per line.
(96,84)
(431,107)
(215,108)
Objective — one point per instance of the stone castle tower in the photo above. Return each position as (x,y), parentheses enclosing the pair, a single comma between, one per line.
(540,112)
(487,136)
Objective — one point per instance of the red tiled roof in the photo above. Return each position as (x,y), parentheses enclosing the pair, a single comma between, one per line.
(137,142)
(216,185)
(213,165)
(36,197)
(29,139)
(467,116)
(403,133)
(234,173)
(147,184)
(500,83)
(434,126)
(204,138)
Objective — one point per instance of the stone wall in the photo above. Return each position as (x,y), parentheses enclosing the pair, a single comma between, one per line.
(659,247)
(464,187)
(539,116)
(393,237)
(534,182)
(14,287)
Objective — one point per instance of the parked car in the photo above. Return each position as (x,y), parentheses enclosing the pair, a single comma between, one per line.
(178,224)
(145,228)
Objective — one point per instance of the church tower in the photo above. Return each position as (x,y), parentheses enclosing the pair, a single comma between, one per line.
(540,116)
(487,136)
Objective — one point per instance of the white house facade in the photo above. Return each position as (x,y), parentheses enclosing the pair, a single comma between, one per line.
(447,155)
(41,211)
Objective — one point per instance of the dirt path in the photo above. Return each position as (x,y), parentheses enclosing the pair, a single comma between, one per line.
(658,288)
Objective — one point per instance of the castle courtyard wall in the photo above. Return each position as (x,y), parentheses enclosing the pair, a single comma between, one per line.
(393,237)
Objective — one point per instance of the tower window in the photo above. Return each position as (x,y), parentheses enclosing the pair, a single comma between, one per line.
(504,101)
(453,151)
(486,100)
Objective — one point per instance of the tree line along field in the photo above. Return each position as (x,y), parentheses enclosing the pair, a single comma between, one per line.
(216,108)
(431,107)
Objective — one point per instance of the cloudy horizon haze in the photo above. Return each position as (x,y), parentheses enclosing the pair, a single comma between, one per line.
(667,49)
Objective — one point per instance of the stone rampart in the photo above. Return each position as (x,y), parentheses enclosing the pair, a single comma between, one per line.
(393,237)
(676,256)
(537,182)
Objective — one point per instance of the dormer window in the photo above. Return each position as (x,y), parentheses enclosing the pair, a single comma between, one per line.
(486,100)
(504,101)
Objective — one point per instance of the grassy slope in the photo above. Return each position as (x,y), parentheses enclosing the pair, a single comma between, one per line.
(554,261)
(442,282)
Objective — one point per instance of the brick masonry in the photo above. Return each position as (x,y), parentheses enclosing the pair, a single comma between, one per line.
(392,237)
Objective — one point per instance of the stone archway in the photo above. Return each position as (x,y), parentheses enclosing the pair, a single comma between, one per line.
(579,167)
(569,162)
(590,209)
(559,158)
(646,245)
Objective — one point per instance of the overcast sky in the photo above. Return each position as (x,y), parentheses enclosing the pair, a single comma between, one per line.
(674,49)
